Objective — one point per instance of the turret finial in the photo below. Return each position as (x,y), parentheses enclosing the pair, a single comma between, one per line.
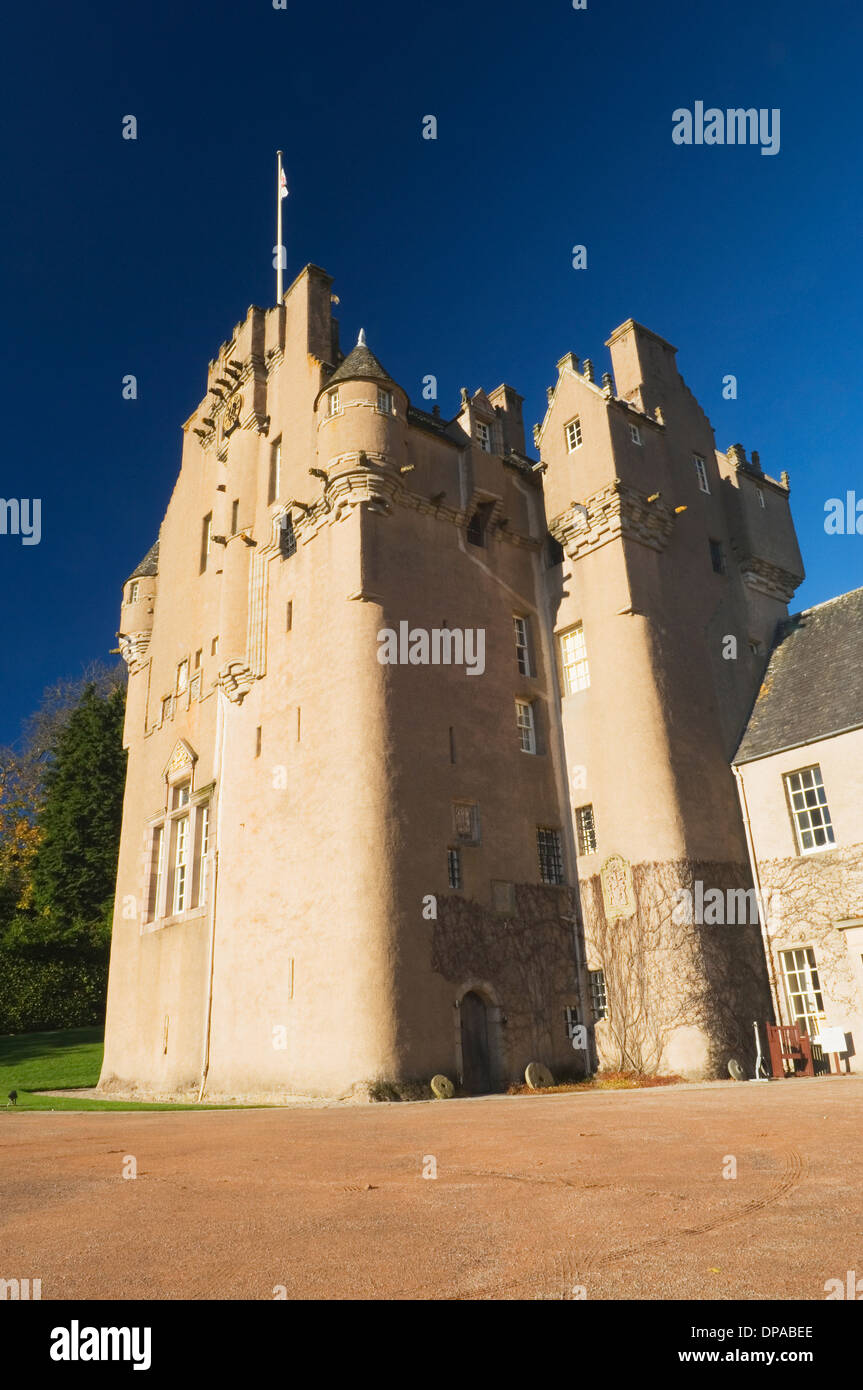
(361,340)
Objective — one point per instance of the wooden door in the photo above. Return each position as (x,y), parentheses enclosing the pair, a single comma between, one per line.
(476,1059)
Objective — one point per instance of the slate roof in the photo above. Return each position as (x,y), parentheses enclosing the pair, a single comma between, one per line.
(359,363)
(149,565)
(813,685)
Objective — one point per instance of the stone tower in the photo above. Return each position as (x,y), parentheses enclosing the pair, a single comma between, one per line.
(678,563)
(336,868)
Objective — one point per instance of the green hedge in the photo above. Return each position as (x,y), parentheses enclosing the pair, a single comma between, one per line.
(43,988)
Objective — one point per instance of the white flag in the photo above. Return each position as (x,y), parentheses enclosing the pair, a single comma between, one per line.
(283,186)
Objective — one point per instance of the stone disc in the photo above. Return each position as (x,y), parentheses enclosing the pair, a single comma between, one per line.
(537,1076)
(442,1087)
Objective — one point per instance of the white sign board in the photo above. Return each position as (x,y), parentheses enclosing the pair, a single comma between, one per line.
(831,1040)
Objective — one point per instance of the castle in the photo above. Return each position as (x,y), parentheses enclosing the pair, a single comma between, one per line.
(353,853)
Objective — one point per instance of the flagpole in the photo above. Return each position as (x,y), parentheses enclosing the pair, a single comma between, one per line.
(279,229)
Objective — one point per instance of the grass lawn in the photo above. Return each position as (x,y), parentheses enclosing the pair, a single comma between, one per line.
(34,1062)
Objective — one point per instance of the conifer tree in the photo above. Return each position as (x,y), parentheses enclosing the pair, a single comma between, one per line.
(75,864)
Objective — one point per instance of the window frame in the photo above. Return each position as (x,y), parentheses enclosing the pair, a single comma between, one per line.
(483,435)
(577,434)
(598,992)
(635,434)
(184,828)
(701,473)
(555,863)
(521,632)
(581,660)
(808,978)
(582,838)
(798,829)
(526,727)
(387,398)
(455,877)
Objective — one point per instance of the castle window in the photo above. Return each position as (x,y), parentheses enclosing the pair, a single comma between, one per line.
(274,485)
(585,827)
(183,677)
(525,725)
(235,515)
(573,660)
(181,851)
(385,402)
(133,591)
(453,866)
(465,818)
(635,434)
(289,615)
(803,989)
(598,996)
(333,406)
(214,646)
(550,854)
(761,502)
(701,470)
(167,707)
(198,654)
(717,557)
(810,813)
(522,654)
(258,733)
(157,867)
(179,845)
(206,539)
(287,539)
(483,434)
(573,435)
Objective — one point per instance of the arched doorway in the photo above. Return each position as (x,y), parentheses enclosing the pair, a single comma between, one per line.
(475,1049)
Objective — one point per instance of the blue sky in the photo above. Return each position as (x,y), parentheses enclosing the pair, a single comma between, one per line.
(455,255)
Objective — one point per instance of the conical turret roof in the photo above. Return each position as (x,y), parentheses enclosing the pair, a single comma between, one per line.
(149,565)
(360,364)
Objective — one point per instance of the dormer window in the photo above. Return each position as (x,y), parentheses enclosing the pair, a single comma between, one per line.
(483,434)
(333,406)
(385,402)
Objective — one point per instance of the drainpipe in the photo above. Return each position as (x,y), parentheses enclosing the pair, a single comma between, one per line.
(756,878)
(221,731)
